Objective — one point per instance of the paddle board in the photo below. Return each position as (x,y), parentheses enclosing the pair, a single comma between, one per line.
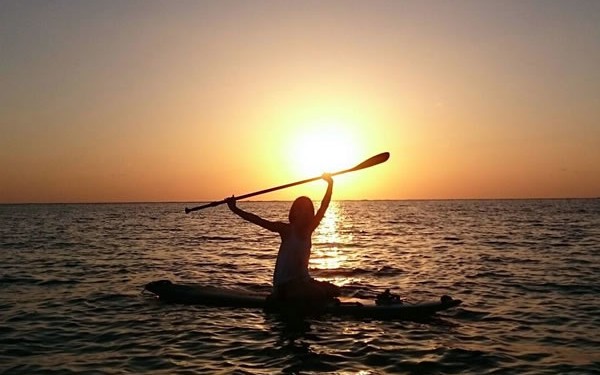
(194,294)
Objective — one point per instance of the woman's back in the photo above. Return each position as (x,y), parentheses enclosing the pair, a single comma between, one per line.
(293,256)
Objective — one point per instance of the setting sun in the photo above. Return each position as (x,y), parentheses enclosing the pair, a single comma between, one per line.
(323,146)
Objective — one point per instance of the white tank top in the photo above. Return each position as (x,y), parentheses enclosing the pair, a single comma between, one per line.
(292,259)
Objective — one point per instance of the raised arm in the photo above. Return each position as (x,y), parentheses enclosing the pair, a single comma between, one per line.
(324,202)
(254,219)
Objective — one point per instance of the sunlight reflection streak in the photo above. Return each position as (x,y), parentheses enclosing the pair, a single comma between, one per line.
(327,254)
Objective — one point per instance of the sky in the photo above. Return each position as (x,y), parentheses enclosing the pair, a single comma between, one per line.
(124,101)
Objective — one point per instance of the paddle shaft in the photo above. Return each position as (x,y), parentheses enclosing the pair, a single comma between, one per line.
(372,161)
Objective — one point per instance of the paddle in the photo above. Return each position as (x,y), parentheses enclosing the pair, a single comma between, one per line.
(370,162)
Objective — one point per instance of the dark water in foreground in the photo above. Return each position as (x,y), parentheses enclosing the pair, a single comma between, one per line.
(527,271)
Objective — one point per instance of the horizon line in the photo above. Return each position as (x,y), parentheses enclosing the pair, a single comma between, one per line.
(290,200)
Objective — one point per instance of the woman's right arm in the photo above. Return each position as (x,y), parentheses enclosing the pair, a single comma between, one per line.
(324,202)
(273,226)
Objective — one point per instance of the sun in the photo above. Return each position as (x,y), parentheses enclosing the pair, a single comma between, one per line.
(323,147)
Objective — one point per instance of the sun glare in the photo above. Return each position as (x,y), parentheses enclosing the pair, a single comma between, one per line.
(324,147)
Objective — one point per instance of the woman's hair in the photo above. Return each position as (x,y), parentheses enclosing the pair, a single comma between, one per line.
(302,210)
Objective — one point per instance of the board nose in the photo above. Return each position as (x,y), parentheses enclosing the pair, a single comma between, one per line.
(153,286)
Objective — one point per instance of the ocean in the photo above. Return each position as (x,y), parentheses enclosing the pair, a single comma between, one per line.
(528,272)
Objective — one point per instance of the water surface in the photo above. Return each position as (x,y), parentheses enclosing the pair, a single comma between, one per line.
(528,272)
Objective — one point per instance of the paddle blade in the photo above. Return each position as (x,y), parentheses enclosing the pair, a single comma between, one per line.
(374,160)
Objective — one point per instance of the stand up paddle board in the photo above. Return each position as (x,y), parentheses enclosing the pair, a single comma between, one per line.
(193,294)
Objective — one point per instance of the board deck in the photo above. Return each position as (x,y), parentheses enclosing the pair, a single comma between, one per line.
(238,298)
(193,294)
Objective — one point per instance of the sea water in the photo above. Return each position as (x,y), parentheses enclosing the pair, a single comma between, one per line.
(528,271)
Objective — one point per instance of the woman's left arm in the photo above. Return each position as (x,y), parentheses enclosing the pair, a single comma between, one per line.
(273,226)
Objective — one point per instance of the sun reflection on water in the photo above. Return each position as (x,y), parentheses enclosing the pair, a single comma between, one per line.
(327,252)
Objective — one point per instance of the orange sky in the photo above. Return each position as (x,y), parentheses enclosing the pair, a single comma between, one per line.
(192,101)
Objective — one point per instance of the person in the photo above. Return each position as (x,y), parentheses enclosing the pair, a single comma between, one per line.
(291,279)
